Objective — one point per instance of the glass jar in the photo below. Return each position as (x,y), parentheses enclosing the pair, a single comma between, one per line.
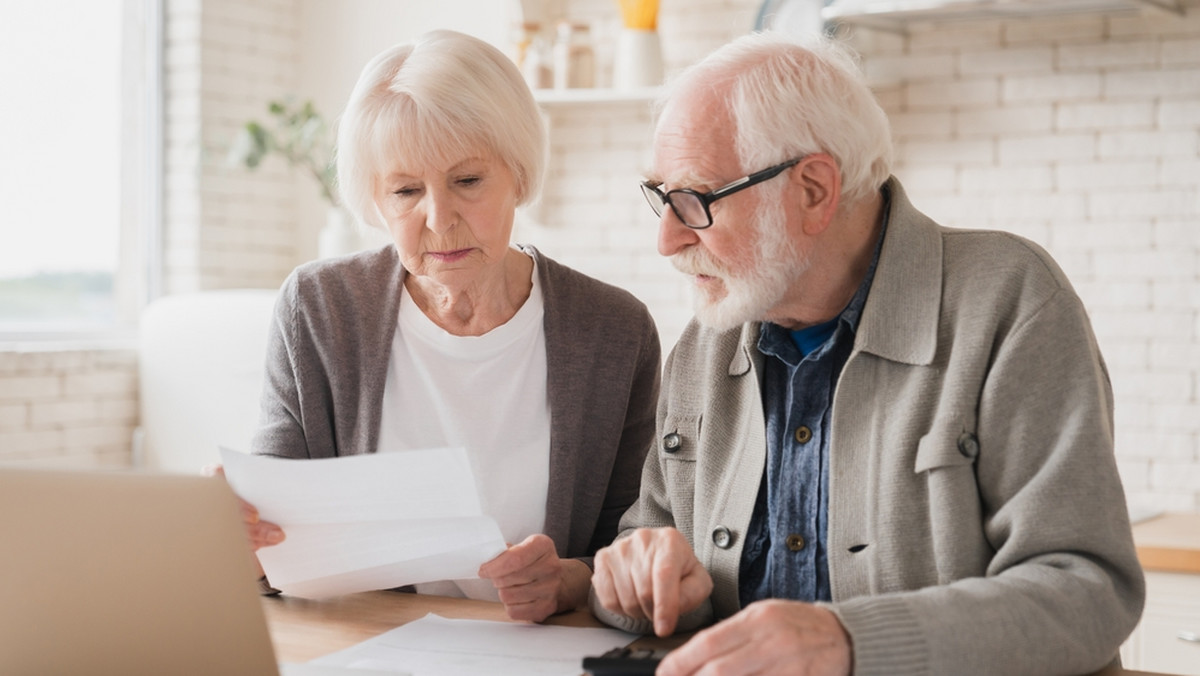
(535,59)
(574,58)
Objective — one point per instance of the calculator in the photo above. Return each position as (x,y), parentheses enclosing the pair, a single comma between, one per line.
(625,662)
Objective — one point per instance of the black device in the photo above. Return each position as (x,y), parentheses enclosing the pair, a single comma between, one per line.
(625,662)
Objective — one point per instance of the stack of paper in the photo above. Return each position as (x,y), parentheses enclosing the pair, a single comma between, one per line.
(437,646)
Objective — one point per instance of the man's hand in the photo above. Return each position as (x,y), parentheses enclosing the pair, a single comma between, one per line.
(651,575)
(533,582)
(767,637)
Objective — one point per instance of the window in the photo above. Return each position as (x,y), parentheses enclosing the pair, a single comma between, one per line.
(74,137)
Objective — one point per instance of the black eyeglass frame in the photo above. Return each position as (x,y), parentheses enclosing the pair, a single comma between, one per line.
(659,200)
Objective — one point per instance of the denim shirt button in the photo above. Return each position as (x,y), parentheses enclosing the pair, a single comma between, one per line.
(803,434)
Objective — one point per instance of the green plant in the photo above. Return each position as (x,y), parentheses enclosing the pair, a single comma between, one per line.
(297,132)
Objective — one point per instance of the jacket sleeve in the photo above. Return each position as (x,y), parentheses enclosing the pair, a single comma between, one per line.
(1063,587)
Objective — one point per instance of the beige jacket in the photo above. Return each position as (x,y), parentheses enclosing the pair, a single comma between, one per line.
(977,521)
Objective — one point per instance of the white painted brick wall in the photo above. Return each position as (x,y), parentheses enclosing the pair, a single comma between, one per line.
(67,408)
(227,227)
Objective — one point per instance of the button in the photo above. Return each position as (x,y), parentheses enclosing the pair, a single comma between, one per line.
(968,445)
(795,542)
(672,442)
(803,434)
(722,538)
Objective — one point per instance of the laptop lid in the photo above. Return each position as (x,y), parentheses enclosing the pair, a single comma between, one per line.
(126,573)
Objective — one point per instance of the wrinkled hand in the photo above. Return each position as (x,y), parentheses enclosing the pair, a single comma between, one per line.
(651,575)
(260,533)
(767,637)
(533,582)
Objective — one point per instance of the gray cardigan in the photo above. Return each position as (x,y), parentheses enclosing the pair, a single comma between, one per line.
(327,357)
(977,524)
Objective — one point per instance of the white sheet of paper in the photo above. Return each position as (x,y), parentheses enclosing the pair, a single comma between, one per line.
(366,522)
(437,646)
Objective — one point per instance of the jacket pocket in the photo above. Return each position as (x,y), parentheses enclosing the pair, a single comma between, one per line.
(946,457)
(678,443)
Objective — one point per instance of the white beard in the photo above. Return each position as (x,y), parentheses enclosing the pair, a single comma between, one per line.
(749,296)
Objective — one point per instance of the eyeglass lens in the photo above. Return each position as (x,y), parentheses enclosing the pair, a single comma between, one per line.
(686,206)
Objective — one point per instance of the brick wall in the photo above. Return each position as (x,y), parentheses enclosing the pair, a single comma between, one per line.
(67,408)
(226,227)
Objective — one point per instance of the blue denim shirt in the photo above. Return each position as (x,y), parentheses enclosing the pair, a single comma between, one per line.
(784,556)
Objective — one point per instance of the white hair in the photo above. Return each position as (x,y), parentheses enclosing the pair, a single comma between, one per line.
(788,98)
(442,97)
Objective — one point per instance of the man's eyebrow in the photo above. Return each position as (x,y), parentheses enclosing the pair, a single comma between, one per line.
(688,179)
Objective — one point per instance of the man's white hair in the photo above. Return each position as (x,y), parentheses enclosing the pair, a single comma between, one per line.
(788,98)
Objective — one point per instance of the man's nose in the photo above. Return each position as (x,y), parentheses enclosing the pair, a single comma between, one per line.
(673,235)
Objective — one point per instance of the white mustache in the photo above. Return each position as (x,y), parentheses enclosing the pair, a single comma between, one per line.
(694,261)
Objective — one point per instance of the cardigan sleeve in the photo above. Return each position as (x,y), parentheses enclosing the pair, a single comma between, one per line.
(281,430)
(636,437)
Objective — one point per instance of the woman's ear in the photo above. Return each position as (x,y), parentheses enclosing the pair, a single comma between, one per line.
(817,186)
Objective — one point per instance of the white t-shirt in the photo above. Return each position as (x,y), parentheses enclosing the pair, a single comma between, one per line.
(487,394)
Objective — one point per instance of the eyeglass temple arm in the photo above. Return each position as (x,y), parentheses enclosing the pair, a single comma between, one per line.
(756,177)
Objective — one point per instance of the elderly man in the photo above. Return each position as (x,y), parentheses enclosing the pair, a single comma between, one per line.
(884,446)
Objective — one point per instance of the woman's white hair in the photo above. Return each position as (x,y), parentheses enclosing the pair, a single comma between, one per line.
(790,98)
(445,96)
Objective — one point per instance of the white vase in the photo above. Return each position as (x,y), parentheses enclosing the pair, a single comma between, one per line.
(339,236)
(638,59)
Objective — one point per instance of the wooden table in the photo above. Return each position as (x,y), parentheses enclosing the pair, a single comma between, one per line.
(303,630)
(1169,543)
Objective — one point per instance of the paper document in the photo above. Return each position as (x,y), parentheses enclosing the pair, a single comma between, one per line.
(364,522)
(437,646)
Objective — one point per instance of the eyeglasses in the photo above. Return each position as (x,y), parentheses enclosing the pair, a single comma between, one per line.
(692,207)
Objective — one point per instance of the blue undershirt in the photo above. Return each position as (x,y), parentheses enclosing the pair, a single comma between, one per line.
(785,552)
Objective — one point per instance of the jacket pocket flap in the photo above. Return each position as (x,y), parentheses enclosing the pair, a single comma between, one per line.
(945,447)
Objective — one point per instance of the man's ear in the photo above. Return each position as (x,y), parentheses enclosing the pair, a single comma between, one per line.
(817,186)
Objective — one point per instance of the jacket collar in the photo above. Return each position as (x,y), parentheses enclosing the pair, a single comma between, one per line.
(900,318)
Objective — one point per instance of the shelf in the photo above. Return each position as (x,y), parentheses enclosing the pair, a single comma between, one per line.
(891,15)
(574,97)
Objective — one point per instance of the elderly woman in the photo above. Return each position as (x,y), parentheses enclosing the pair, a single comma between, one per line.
(451,335)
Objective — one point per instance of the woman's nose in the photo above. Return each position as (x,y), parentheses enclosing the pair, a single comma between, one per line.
(440,214)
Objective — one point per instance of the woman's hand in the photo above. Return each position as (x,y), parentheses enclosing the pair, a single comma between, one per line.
(534,583)
(260,533)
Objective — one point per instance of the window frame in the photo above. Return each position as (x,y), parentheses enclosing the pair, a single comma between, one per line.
(137,279)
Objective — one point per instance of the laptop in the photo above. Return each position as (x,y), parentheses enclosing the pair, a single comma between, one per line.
(126,573)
